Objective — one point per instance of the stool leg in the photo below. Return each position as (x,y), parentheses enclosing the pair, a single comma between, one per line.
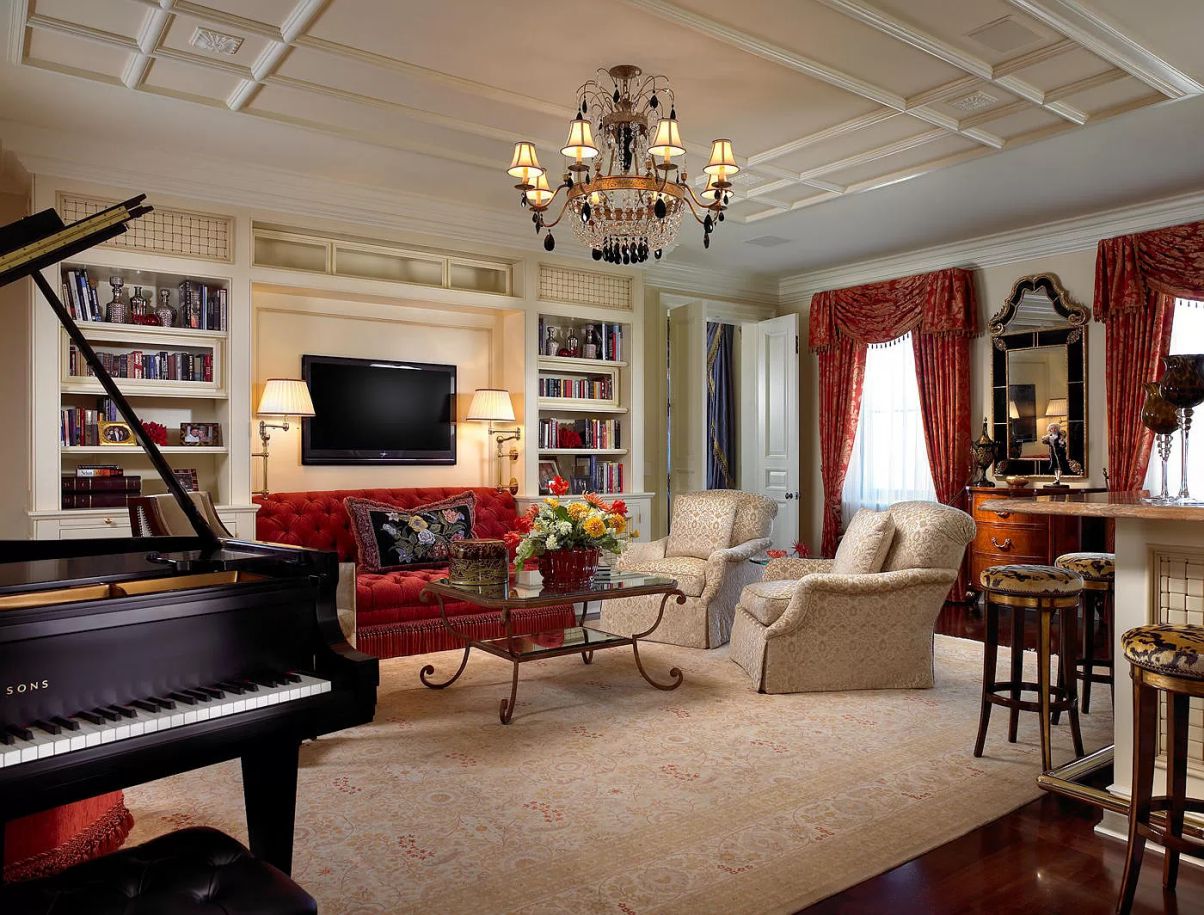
(1090,606)
(1067,657)
(1044,662)
(1109,621)
(990,657)
(1145,746)
(1176,780)
(1017,669)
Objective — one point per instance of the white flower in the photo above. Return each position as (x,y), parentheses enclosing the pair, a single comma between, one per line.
(552,543)
(564,528)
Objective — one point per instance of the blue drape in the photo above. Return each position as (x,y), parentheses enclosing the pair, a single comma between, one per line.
(721,408)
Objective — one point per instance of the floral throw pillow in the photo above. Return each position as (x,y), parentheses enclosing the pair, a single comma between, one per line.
(389,538)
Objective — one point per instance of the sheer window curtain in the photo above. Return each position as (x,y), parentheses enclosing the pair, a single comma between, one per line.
(1187,332)
(889,462)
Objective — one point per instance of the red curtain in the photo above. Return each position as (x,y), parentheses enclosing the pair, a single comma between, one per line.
(940,310)
(48,842)
(1137,278)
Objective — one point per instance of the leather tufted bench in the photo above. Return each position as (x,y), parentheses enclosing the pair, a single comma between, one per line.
(194,871)
(390,618)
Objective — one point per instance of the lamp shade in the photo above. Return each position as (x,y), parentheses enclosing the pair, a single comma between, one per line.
(540,194)
(1013,410)
(1057,406)
(710,193)
(580,143)
(723,160)
(667,140)
(285,397)
(525,164)
(491,404)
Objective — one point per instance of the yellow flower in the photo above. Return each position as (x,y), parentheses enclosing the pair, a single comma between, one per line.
(618,522)
(578,510)
(552,501)
(594,526)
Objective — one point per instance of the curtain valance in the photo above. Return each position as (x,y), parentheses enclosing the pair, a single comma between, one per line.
(1131,270)
(941,303)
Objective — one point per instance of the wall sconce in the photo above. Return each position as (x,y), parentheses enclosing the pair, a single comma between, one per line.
(1057,408)
(281,397)
(493,405)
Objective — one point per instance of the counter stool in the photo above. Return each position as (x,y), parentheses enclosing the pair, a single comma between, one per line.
(1171,659)
(1051,592)
(1098,571)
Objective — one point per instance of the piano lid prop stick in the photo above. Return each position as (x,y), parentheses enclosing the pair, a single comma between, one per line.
(199,524)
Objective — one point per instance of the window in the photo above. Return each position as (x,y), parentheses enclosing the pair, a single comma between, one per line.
(1187,330)
(889,462)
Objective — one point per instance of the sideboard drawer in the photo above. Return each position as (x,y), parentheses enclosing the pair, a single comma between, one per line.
(1012,539)
(111,524)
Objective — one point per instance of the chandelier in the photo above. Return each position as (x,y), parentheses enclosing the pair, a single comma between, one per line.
(630,203)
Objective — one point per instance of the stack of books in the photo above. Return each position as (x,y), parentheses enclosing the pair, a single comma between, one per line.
(99,486)
(601,388)
(592,433)
(81,426)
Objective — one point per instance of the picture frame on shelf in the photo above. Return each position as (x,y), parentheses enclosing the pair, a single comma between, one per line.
(115,433)
(201,434)
(548,471)
(187,477)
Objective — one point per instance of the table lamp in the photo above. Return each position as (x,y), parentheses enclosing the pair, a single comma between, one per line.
(493,405)
(1057,408)
(281,397)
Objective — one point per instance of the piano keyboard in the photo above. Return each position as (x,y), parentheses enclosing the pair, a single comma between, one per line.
(56,736)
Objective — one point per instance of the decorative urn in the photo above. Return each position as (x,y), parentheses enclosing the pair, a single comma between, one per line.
(982,457)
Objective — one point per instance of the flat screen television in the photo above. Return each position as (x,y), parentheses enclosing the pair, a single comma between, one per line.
(378,411)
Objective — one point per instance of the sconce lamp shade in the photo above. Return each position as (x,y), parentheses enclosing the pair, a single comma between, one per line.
(710,193)
(540,193)
(285,397)
(667,140)
(492,405)
(1058,406)
(1013,410)
(723,160)
(525,164)
(580,143)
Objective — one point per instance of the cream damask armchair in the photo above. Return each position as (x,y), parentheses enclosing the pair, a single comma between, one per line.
(713,536)
(804,629)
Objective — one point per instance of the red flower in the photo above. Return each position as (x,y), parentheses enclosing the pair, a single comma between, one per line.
(618,507)
(801,550)
(776,554)
(522,524)
(512,539)
(559,486)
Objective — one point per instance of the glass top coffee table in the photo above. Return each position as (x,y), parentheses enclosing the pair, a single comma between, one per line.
(518,594)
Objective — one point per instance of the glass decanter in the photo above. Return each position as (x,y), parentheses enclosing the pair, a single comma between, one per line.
(116,312)
(1161,418)
(165,313)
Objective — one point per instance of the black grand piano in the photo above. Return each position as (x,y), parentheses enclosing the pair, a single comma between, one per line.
(129,659)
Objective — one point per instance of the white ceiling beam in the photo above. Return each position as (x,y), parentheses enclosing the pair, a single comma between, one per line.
(1103,39)
(1082,85)
(221,17)
(154,27)
(822,136)
(274,53)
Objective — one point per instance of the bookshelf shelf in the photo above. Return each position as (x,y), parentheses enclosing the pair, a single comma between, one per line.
(141,388)
(572,405)
(137,449)
(582,450)
(102,331)
(569,362)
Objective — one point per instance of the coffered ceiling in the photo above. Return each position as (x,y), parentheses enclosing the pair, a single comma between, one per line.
(826,100)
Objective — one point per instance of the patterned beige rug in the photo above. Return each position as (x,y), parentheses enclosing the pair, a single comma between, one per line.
(606,795)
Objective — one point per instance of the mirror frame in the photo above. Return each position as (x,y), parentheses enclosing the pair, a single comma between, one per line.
(1073,337)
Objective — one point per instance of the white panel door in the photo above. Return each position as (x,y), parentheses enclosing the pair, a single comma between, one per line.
(687,399)
(778,422)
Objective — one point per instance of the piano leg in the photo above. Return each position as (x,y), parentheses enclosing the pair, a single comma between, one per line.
(269,784)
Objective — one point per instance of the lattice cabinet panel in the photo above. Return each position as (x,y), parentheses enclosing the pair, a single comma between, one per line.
(180,233)
(584,287)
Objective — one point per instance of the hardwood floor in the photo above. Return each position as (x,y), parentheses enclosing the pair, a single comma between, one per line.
(1043,858)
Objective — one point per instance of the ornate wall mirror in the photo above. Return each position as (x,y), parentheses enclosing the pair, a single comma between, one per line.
(1039,380)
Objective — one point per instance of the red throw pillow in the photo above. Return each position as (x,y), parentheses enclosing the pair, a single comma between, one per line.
(389,538)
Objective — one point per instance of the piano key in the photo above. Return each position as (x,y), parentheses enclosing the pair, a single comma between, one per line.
(124,711)
(198,694)
(149,707)
(292,677)
(163,703)
(213,692)
(182,697)
(237,688)
(106,713)
(20,732)
(6,739)
(90,717)
(68,724)
(48,727)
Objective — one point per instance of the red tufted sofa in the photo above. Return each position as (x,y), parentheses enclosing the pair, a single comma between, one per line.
(390,619)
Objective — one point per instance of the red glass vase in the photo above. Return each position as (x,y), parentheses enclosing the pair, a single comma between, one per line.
(566,570)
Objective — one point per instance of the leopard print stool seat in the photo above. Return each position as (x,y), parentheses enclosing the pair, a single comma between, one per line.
(1092,567)
(1168,659)
(1051,592)
(1098,571)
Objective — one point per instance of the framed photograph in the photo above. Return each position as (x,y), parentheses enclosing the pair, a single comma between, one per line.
(187,477)
(116,433)
(548,470)
(200,434)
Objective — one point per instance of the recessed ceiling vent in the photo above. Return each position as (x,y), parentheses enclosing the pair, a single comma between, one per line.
(768,241)
(217,42)
(975,101)
(1004,35)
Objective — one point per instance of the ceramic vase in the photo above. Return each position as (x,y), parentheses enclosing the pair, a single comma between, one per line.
(569,569)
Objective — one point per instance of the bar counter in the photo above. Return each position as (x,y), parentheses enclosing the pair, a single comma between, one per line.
(1159,579)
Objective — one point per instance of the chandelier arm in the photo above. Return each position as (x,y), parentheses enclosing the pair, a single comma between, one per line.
(559,216)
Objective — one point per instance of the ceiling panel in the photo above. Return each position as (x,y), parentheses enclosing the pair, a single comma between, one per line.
(976,102)
(272,12)
(1114,94)
(182,29)
(1013,33)
(920,155)
(1063,69)
(74,53)
(891,130)
(120,17)
(174,77)
(1016,125)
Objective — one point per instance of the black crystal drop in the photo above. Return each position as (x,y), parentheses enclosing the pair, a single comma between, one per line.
(654,101)
(721,217)
(673,113)
(706,241)
(708,224)
(659,208)
(584,106)
(616,95)
(523,202)
(657,254)
(568,181)
(549,242)
(585,211)
(596,254)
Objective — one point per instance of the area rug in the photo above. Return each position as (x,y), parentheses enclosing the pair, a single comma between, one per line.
(605,795)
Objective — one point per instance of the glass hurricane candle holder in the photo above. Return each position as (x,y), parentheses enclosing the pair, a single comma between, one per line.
(1182,386)
(1161,418)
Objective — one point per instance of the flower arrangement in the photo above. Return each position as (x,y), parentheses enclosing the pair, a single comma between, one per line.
(156,431)
(550,526)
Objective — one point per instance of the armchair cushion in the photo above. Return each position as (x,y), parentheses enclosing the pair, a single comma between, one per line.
(865,544)
(765,601)
(702,523)
(691,573)
(795,568)
(928,535)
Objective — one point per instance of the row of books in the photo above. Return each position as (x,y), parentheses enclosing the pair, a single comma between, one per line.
(580,433)
(202,307)
(79,295)
(160,366)
(99,486)
(81,425)
(597,476)
(577,388)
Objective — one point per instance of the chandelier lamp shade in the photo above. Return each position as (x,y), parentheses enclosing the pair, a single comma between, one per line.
(622,193)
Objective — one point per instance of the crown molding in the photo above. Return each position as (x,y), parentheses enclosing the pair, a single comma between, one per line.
(1074,234)
(713,282)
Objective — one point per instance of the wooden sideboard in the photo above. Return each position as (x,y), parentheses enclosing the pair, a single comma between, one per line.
(1005,537)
